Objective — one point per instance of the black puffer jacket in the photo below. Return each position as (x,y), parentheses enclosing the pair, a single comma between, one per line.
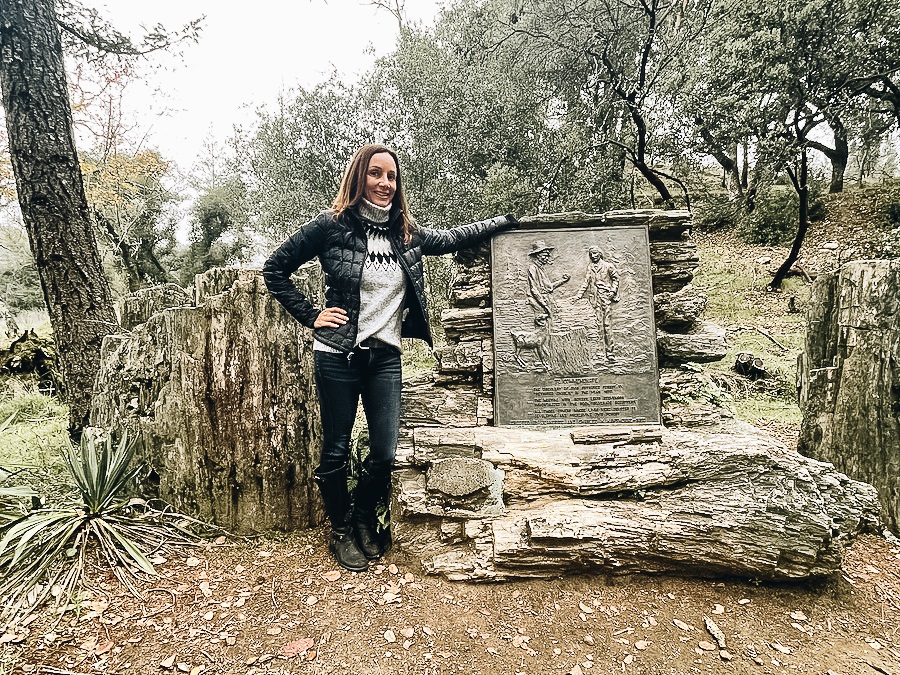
(341,246)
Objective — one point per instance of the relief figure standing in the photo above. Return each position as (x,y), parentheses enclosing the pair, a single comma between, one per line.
(601,288)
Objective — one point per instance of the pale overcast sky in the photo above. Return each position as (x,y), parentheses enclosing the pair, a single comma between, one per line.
(247,53)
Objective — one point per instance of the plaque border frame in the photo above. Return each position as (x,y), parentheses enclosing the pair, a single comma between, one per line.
(557,226)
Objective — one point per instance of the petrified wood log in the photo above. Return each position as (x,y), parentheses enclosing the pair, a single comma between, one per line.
(467,324)
(681,310)
(849,377)
(662,225)
(691,415)
(705,342)
(223,392)
(424,403)
(140,305)
(460,359)
(734,502)
(471,283)
(751,366)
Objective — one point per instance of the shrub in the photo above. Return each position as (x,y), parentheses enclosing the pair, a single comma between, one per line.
(44,552)
(716,211)
(776,217)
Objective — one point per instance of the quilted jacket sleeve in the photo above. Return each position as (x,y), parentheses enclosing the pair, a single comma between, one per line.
(302,246)
(438,242)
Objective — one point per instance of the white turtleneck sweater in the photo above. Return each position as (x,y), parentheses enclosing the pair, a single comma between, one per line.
(383,285)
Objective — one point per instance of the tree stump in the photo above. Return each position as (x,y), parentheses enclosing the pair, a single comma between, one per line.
(224,394)
(849,377)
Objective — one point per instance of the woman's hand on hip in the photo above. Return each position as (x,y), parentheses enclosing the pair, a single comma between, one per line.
(331,317)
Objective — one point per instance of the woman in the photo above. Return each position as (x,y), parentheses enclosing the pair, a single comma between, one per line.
(371,254)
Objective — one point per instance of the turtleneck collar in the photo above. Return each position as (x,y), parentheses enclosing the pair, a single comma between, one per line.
(372,212)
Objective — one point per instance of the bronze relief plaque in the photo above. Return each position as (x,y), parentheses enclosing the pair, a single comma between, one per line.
(574,337)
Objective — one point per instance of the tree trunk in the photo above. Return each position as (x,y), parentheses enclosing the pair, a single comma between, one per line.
(223,394)
(728,163)
(849,377)
(639,158)
(839,155)
(801,186)
(51,194)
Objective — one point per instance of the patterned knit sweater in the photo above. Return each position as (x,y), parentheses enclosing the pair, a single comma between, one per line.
(383,285)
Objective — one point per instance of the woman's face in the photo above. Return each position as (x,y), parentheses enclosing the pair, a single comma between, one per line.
(381,179)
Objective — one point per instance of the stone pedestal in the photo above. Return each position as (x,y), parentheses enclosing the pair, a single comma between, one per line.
(488,503)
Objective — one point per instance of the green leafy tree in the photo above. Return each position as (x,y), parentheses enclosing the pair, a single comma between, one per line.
(294,158)
(218,235)
(615,62)
(774,79)
(130,206)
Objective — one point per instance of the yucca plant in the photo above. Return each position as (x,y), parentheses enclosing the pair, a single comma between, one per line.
(11,495)
(44,552)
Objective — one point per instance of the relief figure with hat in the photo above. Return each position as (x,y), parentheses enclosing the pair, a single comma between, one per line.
(539,284)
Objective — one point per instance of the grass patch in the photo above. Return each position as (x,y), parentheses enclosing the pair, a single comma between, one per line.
(752,408)
(735,280)
(34,442)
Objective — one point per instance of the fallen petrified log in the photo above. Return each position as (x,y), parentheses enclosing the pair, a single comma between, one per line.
(749,365)
(849,377)
(491,503)
(679,310)
(223,392)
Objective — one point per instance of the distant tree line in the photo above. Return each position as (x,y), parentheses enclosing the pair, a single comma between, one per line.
(592,105)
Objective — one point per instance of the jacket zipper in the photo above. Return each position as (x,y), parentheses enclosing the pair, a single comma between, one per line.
(412,283)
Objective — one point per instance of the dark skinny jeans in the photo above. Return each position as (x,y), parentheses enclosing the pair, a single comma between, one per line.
(375,376)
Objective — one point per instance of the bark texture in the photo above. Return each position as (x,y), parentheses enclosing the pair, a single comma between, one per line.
(491,503)
(51,194)
(849,377)
(224,393)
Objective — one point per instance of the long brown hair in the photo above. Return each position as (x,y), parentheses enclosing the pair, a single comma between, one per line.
(353,186)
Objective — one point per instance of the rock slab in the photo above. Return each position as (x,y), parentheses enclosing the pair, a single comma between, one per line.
(718,503)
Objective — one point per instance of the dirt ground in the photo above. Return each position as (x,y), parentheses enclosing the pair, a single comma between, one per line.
(283,607)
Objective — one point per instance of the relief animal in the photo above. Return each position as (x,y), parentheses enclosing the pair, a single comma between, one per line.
(535,340)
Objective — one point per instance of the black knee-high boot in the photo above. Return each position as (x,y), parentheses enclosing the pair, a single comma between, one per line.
(371,490)
(333,486)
